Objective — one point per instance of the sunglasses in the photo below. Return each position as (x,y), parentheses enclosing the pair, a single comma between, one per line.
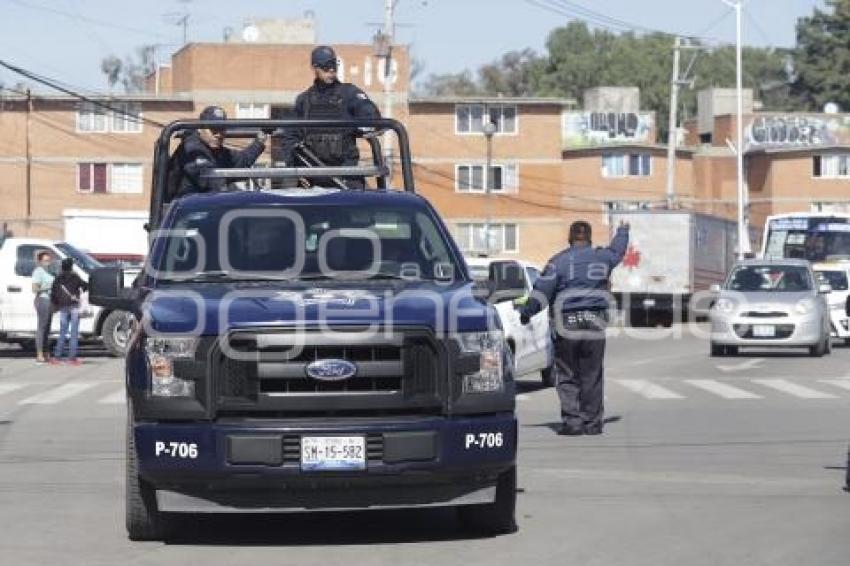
(332,66)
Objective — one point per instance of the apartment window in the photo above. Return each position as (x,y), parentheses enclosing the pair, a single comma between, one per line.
(469,118)
(127,117)
(831,207)
(626,165)
(470,178)
(252,110)
(831,166)
(118,117)
(472,237)
(126,178)
(121,178)
(623,205)
(92,118)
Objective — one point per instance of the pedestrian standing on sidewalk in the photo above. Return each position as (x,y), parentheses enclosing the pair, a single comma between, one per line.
(575,283)
(42,282)
(65,296)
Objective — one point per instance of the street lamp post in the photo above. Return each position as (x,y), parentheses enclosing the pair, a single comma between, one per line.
(489,129)
(743,236)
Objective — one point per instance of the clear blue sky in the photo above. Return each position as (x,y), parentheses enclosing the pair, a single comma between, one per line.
(448,35)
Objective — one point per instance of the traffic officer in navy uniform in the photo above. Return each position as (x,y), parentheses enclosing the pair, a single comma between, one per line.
(575,285)
(329,99)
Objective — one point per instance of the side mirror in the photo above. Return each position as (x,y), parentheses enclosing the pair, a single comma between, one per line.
(714,288)
(824,288)
(106,289)
(508,278)
(483,289)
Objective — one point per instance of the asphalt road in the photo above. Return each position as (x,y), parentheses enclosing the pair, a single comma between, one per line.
(705,461)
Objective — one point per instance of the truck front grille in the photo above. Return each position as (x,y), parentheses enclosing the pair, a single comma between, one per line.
(256,371)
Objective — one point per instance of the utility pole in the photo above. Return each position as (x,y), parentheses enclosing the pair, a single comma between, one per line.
(676,82)
(743,235)
(389,36)
(29,158)
(489,130)
(671,127)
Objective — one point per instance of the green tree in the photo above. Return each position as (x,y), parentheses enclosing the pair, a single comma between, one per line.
(822,56)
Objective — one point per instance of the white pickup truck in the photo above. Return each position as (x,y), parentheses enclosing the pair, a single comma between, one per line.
(17,315)
(532,344)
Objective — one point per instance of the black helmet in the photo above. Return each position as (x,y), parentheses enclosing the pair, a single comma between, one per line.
(323,56)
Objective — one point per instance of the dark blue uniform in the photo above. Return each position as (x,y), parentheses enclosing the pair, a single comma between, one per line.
(575,285)
(194,157)
(335,101)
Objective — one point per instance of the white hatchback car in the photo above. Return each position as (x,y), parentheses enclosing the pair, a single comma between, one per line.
(532,344)
(837,275)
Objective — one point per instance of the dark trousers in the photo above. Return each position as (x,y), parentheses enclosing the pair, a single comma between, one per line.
(44,317)
(579,372)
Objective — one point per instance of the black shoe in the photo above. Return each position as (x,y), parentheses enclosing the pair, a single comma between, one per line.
(566,430)
(593,429)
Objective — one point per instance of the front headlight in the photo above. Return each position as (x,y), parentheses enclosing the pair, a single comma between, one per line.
(805,306)
(725,306)
(162,352)
(491,347)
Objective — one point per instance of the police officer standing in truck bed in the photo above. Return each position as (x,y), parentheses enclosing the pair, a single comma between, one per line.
(575,284)
(329,99)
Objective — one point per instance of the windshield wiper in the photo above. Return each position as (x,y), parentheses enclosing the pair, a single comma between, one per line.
(221,275)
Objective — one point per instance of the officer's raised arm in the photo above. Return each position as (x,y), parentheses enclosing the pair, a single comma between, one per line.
(619,243)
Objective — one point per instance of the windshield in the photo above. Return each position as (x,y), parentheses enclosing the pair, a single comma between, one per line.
(307,242)
(789,278)
(81,258)
(811,238)
(836,279)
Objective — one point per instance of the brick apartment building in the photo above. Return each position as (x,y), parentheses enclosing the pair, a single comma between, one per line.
(553,160)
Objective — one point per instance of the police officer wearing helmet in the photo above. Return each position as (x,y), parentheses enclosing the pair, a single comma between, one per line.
(202,150)
(575,284)
(329,99)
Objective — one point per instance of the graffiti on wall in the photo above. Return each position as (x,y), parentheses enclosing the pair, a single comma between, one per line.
(584,129)
(798,130)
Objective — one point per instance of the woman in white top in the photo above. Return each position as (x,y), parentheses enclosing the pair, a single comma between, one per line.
(42,281)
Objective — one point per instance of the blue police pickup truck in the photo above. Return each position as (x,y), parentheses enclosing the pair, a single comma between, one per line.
(304,346)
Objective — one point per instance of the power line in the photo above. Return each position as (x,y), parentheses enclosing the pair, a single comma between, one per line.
(56,86)
(86,19)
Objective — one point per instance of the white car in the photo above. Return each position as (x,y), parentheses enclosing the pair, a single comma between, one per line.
(836,275)
(531,344)
(17,314)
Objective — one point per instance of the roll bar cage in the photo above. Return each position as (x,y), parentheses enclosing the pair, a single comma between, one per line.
(310,167)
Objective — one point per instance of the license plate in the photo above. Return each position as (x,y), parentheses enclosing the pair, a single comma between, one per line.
(328,453)
(764,331)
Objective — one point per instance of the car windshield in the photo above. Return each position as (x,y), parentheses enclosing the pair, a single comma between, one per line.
(769,278)
(836,279)
(306,242)
(81,258)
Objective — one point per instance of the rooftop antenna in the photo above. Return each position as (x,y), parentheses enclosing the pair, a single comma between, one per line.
(180,19)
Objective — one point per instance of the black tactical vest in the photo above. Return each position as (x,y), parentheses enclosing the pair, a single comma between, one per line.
(331,146)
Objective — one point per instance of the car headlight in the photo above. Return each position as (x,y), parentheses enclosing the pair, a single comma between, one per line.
(162,352)
(804,307)
(491,347)
(725,306)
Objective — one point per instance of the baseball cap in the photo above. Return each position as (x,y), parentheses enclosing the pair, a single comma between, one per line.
(213,113)
(322,56)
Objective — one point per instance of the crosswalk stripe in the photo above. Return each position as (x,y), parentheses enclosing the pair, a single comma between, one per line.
(842,383)
(794,389)
(116,398)
(10,387)
(648,389)
(722,389)
(57,394)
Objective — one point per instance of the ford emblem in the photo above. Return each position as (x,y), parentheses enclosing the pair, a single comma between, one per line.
(331,370)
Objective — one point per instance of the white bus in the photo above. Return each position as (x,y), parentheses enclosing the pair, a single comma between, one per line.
(815,236)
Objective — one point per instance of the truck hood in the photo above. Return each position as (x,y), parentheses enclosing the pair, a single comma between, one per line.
(210,309)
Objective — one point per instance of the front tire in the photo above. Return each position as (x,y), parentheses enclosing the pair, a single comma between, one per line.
(818,350)
(718,350)
(547,375)
(116,332)
(495,518)
(143,519)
